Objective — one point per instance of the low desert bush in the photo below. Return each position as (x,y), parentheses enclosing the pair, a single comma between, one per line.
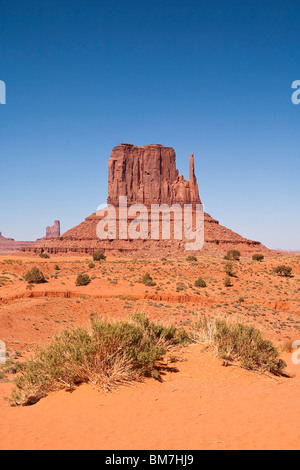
(241,344)
(99,255)
(91,265)
(191,258)
(285,271)
(56,267)
(148,280)
(83,280)
(44,255)
(229,269)
(227,282)
(107,356)
(258,257)
(35,276)
(200,282)
(233,255)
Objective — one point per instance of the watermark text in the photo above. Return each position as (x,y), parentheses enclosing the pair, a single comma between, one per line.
(157,222)
(296,94)
(2,92)
(2,353)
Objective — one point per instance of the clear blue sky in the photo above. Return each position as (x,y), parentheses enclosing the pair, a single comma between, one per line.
(211,78)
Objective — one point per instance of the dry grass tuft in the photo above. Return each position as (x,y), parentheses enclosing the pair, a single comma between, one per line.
(239,343)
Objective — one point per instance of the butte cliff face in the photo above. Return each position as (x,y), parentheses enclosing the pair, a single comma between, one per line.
(146,175)
(53,231)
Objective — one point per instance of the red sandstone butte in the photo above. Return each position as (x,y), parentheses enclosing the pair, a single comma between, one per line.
(146,175)
(53,231)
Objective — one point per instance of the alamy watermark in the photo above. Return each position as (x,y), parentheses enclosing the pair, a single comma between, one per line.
(2,353)
(140,222)
(2,92)
(296,94)
(296,353)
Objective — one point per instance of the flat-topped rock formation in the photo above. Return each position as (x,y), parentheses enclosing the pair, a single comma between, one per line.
(146,175)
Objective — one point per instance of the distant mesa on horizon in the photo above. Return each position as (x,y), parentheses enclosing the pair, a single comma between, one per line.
(146,175)
(4,238)
(53,231)
(10,245)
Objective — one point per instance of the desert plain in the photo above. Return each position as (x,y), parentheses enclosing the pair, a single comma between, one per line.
(199,403)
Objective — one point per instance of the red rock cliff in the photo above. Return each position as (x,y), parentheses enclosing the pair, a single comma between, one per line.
(53,231)
(148,175)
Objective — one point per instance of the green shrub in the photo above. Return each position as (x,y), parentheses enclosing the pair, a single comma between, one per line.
(283,270)
(229,269)
(147,280)
(109,355)
(91,265)
(233,255)
(239,343)
(99,255)
(258,257)
(200,282)
(180,286)
(56,267)
(44,255)
(227,281)
(191,258)
(35,276)
(82,280)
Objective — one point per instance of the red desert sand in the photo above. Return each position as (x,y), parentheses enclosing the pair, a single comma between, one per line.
(202,405)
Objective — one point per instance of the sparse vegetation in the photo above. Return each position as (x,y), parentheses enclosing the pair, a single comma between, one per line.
(83,280)
(227,281)
(258,257)
(35,276)
(258,297)
(229,269)
(148,280)
(44,256)
(241,344)
(110,355)
(200,282)
(99,255)
(285,271)
(233,255)
(191,258)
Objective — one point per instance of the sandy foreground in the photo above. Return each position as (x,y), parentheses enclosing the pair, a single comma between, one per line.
(199,405)
(203,406)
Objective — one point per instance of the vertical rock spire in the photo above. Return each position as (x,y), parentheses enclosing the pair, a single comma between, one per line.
(192,171)
(194,191)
